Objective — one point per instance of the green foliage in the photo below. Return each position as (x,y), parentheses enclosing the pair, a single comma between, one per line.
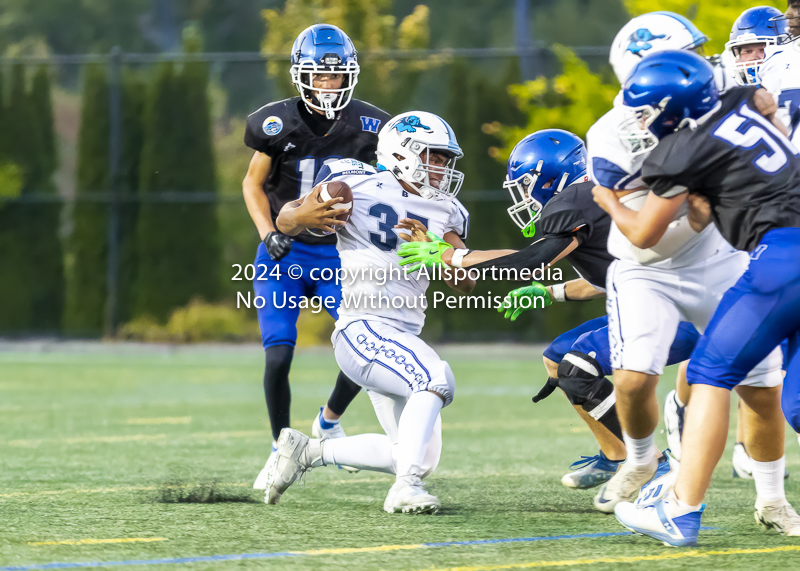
(372,27)
(573,101)
(31,291)
(88,242)
(197,322)
(714,19)
(177,245)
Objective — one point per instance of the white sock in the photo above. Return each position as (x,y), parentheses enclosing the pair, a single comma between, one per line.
(414,431)
(769,480)
(683,505)
(329,420)
(363,451)
(640,450)
(678,400)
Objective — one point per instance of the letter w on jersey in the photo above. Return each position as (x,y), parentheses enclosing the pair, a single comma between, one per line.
(370,124)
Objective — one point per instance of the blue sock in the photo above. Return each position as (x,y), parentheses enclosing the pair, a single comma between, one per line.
(326,424)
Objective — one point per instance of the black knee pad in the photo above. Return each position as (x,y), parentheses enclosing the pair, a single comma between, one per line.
(580,377)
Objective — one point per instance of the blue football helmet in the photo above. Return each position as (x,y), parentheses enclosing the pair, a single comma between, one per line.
(323,48)
(540,166)
(754,26)
(665,91)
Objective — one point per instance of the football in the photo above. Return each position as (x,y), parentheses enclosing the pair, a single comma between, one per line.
(334,189)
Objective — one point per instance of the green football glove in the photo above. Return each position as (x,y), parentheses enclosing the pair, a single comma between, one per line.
(418,254)
(513,306)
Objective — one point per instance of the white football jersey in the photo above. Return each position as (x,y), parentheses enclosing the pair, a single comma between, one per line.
(374,285)
(780,75)
(611,166)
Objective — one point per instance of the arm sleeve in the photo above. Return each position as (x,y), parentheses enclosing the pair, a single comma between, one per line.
(541,252)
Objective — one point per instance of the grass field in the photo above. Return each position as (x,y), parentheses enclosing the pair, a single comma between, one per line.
(133,455)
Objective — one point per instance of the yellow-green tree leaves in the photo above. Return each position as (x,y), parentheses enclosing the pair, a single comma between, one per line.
(573,101)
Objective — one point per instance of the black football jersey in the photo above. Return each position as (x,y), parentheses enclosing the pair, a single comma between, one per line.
(279,131)
(744,166)
(573,212)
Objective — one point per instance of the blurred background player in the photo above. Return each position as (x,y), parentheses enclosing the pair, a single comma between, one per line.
(780,72)
(644,305)
(376,342)
(293,139)
(549,186)
(752,33)
(702,143)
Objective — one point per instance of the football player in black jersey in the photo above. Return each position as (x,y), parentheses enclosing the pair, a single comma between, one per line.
(293,139)
(729,158)
(548,183)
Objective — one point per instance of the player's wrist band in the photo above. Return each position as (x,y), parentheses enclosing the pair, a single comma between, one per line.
(458,257)
(559,292)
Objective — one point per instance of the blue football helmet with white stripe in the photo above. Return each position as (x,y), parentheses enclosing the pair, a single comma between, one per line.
(664,93)
(754,26)
(323,48)
(648,34)
(540,166)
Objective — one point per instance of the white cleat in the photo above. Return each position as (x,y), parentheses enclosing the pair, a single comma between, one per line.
(673,423)
(780,517)
(742,463)
(662,483)
(663,520)
(625,484)
(261,479)
(336,431)
(408,496)
(296,455)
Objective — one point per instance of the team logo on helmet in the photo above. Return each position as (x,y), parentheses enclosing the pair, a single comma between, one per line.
(640,40)
(272,125)
(410,125)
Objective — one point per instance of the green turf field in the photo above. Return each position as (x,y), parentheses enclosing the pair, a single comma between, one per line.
(137,454)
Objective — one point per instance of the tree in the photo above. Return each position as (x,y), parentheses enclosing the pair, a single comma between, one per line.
(88,242)
(573,101)
(31,291)
(714,19)
(177,244)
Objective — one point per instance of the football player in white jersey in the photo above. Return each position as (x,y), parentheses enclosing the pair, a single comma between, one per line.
(650,290)
(780,72)
(382,312)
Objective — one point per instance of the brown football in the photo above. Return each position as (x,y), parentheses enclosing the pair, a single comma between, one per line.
(334,189)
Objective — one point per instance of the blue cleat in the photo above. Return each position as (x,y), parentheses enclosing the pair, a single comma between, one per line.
(663,520)
(590,472)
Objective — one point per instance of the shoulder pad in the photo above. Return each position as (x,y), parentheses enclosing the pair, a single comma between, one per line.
(343,167)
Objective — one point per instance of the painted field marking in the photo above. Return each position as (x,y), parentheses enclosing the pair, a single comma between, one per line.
(161,420)
(99,541)
(375,549)
(626,559)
